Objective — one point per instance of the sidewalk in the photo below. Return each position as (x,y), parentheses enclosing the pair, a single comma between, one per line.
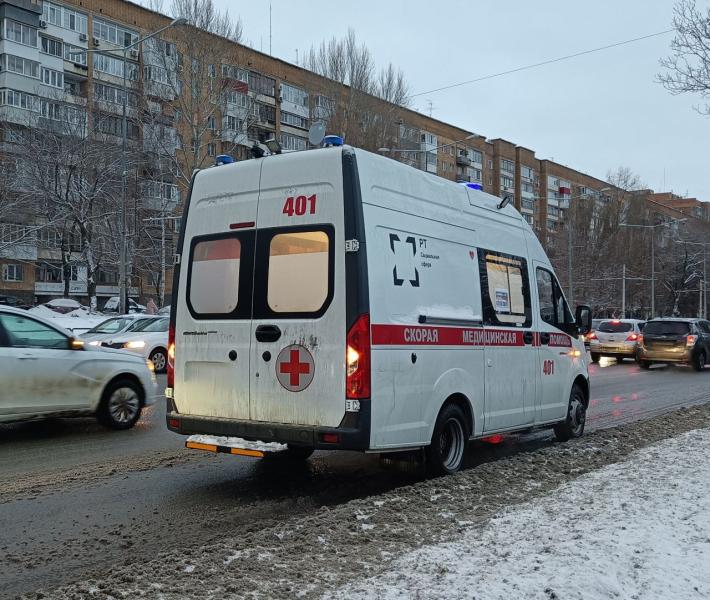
(639,529)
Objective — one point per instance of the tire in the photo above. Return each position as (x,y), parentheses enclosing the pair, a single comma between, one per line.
(595,357)
(644,364)
(620,359)
(445,454)
(159,358)
(700,361)
(573,425)
(121,404)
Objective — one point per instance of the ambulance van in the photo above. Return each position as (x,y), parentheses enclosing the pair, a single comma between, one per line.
(337,299)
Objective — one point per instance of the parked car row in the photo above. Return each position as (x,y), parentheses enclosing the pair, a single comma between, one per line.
(667,340)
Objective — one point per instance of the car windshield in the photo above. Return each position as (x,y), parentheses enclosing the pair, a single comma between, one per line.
(667,328)
(155,325)
(139,324)
(615,327)
(110,326)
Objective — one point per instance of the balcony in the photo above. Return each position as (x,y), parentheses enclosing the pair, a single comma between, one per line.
(463,160)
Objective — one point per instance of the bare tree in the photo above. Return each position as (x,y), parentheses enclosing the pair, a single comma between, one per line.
(687,68)
(362,103)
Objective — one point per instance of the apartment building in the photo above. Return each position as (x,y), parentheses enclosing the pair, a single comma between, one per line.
(63,61)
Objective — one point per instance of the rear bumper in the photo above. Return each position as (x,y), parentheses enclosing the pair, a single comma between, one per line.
(682,355)
(353,432)
(614,349)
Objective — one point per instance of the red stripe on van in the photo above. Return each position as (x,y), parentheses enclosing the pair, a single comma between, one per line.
(418,335)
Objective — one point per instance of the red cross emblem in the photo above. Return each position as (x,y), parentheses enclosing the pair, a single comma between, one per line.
(295,368)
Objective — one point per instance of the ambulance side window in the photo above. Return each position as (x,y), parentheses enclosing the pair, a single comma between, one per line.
(504,289)
(553,306)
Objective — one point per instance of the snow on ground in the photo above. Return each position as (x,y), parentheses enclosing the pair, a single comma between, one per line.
(77,321)
(636,529)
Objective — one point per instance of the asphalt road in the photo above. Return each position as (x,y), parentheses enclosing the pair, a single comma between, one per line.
(76,499)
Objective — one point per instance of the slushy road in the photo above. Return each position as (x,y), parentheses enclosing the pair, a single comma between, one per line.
(76,499)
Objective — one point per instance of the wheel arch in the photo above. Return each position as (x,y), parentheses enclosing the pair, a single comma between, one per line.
(118,377)
(583,383)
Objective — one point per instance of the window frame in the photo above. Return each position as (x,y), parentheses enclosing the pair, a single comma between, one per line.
(17,269)
(490,316)
(261,308)
(243,309)
(568,328)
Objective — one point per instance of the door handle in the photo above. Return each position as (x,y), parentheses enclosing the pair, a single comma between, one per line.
(528,337)
(544,337)
(267,333)
(27,357)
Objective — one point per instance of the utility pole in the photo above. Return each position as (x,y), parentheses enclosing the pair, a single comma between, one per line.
(653,272)
(623,291)
(569,256)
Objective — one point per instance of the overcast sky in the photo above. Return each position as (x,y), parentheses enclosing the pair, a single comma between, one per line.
(592,113)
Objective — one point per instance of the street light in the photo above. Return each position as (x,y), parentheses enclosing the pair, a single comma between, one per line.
(653,255)
(123,266)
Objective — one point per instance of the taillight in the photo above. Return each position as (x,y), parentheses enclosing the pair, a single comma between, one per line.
(357,360)
(690,340)
(591,335)
(632,338)
(639,339)
(171,355)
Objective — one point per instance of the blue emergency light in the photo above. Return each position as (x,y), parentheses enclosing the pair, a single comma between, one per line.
(332,140)
(223,159)
(473,186)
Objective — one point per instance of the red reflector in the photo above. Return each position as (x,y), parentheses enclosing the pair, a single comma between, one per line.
(493,439)
(244,225)
(174,423)
(330,438)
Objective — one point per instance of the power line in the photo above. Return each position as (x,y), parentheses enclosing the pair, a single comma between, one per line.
(543,63)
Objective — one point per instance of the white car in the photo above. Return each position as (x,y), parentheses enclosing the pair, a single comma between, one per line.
(45,371)
(616,338)
(150,340)
(112,305)
(114,326)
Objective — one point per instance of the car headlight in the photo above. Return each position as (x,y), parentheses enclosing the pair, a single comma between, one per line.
(134,345)
(95,343)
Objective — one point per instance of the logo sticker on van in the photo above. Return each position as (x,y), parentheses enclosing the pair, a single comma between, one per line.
(295,368)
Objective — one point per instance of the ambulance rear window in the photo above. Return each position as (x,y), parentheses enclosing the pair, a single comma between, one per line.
(298,272)
(214,276)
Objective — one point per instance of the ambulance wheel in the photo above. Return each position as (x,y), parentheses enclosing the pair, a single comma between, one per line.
(595,357)
(444,455)
(573,425)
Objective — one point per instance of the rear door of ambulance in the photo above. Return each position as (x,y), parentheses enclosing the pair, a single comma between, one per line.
(298,330)
(214,297)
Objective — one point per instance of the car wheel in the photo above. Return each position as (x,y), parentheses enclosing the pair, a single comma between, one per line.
(699,362)
(620,359)
(121,404)
(573,425)
(595,357)
(644,364)
(159,358)
(444,455)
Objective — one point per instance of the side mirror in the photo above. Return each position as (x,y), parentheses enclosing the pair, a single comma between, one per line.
(583,319)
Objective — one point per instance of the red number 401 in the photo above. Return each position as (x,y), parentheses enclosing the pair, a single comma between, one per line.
(299,204)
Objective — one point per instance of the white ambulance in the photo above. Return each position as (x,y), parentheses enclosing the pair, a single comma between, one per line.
(337,299)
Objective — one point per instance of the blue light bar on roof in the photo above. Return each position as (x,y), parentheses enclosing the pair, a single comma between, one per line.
(223,159)
(473,186)
(332,140)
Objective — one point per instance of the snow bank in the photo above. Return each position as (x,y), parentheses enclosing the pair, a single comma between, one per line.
(636,529)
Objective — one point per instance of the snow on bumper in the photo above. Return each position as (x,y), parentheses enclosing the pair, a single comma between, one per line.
(233,445)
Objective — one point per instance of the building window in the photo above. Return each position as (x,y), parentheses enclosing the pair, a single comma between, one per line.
(506,182)
(527,187)
(52,78)
(476,156)
(261,84)
(507,165)
(12,273)
(211,71)
(211,123)
(233,72)
(51,46)
(211,149)
(527,203)
(234,124)
(22,34)
(19,65)
(114,34)
(294,95)
(64,17)
(114,95)
(114,66)
(527,173)
(490,164)
(74,54)
(19,100)
(49,273)
(292,142)
(294,120)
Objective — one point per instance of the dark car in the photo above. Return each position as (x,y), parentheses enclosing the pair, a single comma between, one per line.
(13,301)
(684,341)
